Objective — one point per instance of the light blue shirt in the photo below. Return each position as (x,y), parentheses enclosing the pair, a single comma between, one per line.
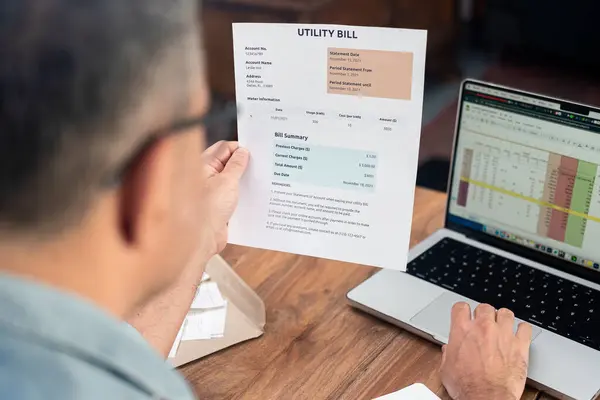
(57,346)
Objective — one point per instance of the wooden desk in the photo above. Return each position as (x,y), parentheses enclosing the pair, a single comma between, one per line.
(315,346)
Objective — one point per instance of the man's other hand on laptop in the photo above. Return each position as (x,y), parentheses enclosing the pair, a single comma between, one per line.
(484,358)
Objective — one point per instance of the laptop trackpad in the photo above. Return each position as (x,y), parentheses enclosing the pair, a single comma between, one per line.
(435,318)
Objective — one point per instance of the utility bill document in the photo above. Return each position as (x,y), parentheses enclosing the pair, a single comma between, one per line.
(332,118)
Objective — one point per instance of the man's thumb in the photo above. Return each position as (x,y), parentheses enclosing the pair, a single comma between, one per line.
(444,347)
(237,163)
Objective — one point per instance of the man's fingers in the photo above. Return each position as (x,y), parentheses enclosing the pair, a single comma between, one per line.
(505,318)
(485,312)
(443,355)
(219,154)
(524,332)
(236,165)
(461,316)
(222,146)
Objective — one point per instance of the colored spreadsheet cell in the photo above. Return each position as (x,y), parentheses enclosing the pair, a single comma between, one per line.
(580,202)
(463,193)
(554,161)
(563,192)
(568,189)
(463,188)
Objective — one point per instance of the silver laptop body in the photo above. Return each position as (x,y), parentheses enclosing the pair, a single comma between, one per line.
(524,192)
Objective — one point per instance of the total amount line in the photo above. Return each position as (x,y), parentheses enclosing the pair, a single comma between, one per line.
(530,199)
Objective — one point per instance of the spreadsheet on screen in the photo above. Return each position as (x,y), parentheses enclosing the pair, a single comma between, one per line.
(527,171)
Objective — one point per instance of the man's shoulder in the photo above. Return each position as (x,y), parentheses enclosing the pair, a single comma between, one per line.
(29,371)
(54,345)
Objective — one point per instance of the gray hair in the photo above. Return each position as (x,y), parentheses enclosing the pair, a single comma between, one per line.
(75,77)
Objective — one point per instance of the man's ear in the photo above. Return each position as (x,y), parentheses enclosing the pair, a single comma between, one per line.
(145,194)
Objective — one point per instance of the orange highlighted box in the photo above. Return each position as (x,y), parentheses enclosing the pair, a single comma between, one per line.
(370,73)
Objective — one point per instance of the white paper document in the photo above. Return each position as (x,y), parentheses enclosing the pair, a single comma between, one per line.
(205,324)
(415,392)
(208,295)
(332,118)
(175,346)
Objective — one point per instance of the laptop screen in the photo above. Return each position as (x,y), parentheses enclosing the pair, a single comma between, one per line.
(526,171)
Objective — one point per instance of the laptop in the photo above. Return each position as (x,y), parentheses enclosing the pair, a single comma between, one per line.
(522,231)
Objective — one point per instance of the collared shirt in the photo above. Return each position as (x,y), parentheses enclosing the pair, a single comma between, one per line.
(57,346)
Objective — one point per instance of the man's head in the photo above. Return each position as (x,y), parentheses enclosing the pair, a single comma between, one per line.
(82,85)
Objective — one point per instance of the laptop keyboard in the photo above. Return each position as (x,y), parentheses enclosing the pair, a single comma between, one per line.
(545,300)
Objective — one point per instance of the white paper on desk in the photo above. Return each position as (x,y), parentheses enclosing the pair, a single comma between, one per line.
(332,118)
(205,324)
(175,346)
(415,392)
(208,295)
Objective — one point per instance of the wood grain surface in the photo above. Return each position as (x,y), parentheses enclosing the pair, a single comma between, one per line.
(315,346)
